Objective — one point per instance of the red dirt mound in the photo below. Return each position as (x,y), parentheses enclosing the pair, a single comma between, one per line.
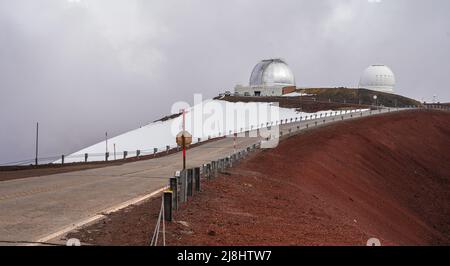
(385,177)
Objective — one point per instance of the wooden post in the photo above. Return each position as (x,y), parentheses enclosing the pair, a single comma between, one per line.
(168,206)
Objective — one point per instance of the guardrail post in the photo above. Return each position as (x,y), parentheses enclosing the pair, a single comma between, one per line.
(183,186)
(62,159)
(168,206)
(138,153)
(174,189)
(208,170)
(213,169)
(197,178)
(106,156)
(203,171)
(216,168)
(125,154)
(167,149)
(190,177)
(220,166)
(155,150)
(86,157)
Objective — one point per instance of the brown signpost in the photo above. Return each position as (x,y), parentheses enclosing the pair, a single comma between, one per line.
(184,139)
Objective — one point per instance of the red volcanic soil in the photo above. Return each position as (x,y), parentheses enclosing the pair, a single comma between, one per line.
(385,177)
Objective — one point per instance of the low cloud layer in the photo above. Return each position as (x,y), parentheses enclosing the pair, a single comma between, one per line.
(83,67)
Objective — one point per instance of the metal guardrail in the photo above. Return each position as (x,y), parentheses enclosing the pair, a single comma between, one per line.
(123,155)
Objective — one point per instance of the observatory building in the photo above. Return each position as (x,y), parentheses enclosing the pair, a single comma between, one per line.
(378,78)
(271,77)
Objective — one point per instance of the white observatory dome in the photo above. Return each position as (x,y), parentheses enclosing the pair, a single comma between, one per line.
(272,72)
(378,78)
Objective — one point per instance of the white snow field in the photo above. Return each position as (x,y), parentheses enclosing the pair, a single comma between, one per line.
(209,119)
(297,94)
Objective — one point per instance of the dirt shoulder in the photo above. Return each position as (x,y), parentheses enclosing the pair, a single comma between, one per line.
(385,177)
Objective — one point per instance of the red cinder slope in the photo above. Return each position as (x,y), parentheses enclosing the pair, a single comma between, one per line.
(385,177)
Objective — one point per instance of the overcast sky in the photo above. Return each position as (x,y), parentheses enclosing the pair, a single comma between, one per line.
(84,67)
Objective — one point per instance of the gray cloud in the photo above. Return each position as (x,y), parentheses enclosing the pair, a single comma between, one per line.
(81,68)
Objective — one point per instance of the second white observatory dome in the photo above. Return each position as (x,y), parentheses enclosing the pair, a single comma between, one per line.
(378,78)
